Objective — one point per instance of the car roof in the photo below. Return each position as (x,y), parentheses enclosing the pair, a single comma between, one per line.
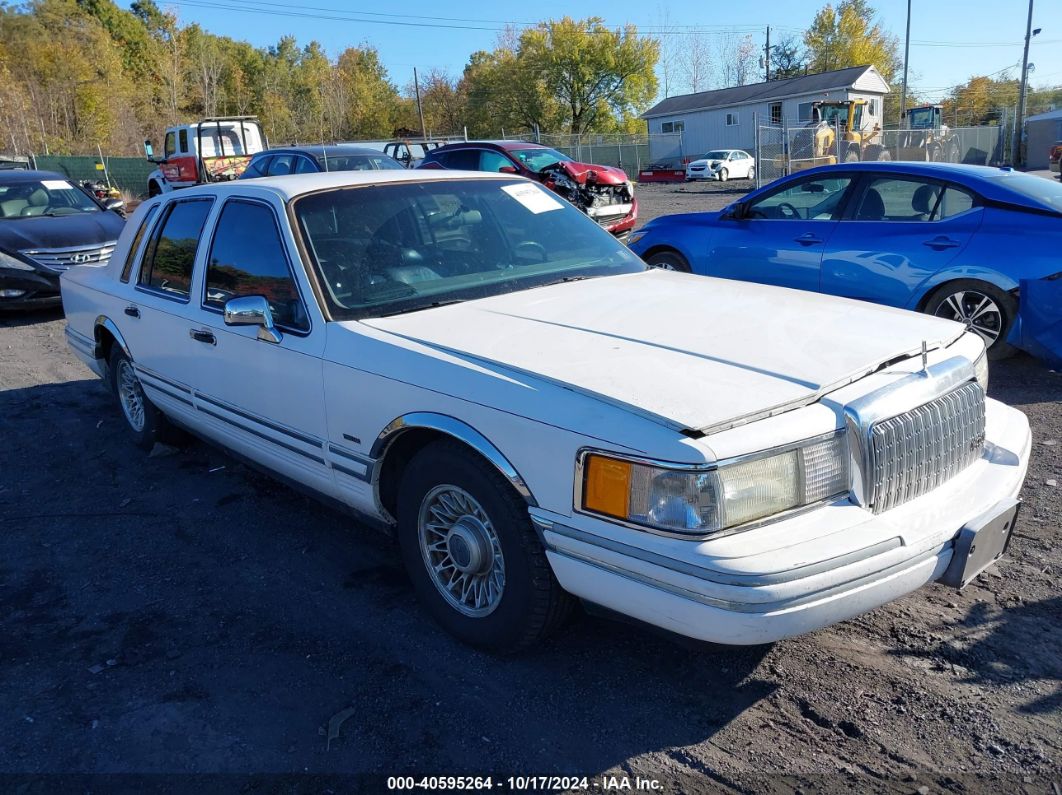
(509,146)
(19,175)
(320,150)
(291,185)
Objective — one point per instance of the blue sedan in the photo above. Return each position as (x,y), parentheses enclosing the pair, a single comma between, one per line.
(951,240)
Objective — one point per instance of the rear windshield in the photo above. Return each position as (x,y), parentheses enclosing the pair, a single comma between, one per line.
(378,162)
(1047,192)
(388,249)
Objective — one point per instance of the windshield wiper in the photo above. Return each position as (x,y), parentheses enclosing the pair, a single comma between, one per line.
(432,305)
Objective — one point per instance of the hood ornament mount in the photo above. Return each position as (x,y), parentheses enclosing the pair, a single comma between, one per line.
(925,358)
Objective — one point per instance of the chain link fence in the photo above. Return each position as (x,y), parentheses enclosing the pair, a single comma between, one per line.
(789,149)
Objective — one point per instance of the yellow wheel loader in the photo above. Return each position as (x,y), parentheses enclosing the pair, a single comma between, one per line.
(816,143)
(927,137)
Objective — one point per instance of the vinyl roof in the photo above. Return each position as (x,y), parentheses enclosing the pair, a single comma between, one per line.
(758,92)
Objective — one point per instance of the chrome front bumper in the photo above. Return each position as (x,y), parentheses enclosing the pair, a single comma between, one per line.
(795,575)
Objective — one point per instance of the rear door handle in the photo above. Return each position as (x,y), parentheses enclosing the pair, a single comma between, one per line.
(808,239)
(203,335)
(942,242)
(132,311)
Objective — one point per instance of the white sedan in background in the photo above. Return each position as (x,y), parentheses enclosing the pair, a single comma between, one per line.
(723,164)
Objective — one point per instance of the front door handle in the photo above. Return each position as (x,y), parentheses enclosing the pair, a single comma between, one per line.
(132,311)
(942,242)
(808,239)
(203,335)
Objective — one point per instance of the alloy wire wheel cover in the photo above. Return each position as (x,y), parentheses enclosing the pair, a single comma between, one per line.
(130,395)
(461,551)
(977,311)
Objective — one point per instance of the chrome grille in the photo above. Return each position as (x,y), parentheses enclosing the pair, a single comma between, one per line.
(915,452)
(61,259)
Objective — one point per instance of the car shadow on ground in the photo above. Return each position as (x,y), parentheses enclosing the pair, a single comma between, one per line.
(179,611)
(1013,647)
(30,317)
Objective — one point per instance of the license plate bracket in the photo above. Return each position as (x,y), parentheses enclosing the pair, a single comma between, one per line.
(981,543)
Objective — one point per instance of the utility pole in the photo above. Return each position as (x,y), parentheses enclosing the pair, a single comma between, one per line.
(767,57)
(906,58)
(420,110)
(1019,121)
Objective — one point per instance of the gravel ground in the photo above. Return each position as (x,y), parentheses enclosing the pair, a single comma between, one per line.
(655,199)
(182,614)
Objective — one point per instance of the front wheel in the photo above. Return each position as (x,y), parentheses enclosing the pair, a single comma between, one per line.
(752,173)
(469,548)
(724,175)
(668,261)
(982,307)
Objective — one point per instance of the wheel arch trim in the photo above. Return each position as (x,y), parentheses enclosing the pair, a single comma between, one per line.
(105,322)
(458,429)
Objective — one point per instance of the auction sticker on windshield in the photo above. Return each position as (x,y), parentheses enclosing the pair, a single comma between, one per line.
(533,198)
(56,184)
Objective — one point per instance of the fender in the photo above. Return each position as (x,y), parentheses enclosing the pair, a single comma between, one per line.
(458,430)
(105,322)
(1001,280)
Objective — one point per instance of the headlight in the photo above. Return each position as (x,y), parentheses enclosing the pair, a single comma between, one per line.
(981,370)
(698,501)
(7,261)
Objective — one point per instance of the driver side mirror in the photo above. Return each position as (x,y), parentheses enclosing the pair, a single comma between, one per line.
(738,211)
(252,310)
(508,170)
(116,205)
(149,152)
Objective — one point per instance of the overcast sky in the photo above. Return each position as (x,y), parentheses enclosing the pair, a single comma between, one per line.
(950,40)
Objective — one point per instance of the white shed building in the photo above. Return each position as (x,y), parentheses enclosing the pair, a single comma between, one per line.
(727,117)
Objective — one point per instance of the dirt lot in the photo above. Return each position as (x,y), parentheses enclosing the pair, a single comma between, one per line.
(181,614)
(688,197)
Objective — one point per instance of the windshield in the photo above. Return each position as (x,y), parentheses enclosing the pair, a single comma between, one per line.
(1047,192)
(45,197)
(359,163)
(386,249)
(921,118)
(718,154)
(538,159)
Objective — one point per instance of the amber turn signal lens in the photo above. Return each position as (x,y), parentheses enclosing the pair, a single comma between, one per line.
(607,486)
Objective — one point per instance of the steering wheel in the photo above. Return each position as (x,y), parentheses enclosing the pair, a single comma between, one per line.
(532,248)
(788,211)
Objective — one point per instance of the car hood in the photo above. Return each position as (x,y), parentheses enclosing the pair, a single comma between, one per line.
(691,352)
(59,232)
(588,172)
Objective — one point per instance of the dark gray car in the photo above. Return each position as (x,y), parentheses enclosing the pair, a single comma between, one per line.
(314,159)
(47,225)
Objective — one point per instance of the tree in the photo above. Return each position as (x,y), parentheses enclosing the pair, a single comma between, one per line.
(695,62)
(981,100)
(593,71)
(787,59)
(737,59)
(848,36)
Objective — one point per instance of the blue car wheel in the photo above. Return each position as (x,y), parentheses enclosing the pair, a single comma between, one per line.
(982,307)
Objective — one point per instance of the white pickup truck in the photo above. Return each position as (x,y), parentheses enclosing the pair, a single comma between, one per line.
(472,363)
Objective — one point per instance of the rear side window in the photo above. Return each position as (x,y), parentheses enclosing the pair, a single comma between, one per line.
(304,165)
(280,165)
(462,159)
(247,257)
(134,247)
(184,140)
(170,256)
(955,201)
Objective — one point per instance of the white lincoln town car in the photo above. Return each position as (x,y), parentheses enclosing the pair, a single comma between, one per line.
(471,363)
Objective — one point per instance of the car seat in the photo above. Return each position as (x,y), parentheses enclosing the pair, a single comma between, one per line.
(37,204)
(924,202)
(872,207)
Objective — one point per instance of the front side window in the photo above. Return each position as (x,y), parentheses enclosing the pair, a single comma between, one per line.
(170,256)
(170,147)
(134,247)
(494,161)
(247,257)
(401,247)
(303,165)
(808,200)
(910,199)
(538,159)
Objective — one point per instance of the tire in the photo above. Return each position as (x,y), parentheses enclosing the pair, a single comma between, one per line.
(669,261)
(724,175)
(752,173)
(147,424)
(479,522)
(964,297)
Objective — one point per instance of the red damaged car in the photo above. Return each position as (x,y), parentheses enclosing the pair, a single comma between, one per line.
(602,192)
